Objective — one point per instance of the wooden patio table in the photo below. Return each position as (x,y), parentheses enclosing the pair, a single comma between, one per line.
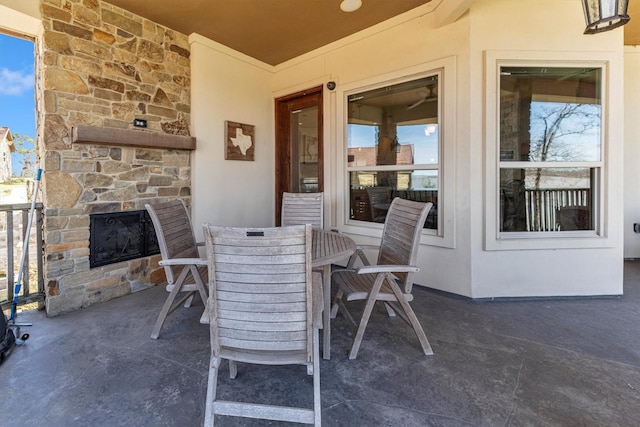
(328,247)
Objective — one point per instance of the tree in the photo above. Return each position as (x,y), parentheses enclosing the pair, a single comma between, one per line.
(563,132)
(27,155)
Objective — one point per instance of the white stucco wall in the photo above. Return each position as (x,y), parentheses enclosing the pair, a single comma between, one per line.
(491,25)
(546,26)
(395,50)
(631,151)
(229,86)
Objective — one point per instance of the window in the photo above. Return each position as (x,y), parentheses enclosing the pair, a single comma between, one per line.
(547,176)
(394,148)
(550,148)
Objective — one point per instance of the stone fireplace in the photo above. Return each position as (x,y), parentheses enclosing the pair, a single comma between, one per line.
(99,68)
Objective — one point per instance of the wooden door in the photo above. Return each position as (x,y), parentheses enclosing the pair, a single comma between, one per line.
(299,144)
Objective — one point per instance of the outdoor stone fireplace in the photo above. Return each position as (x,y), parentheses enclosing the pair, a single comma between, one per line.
(121,236)
(99,68)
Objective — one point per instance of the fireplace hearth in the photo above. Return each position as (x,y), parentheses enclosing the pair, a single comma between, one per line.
(121,236)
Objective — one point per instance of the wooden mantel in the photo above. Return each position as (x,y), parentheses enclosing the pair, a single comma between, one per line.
(131,138)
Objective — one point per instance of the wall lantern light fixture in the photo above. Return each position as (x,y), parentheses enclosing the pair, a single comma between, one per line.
(604,15)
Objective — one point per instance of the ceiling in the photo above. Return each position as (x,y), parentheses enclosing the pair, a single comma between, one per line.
(632,28)
(272,31)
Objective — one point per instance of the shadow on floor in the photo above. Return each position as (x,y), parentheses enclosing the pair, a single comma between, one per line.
(501,363)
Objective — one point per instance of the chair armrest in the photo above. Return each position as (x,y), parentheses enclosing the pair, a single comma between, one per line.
(184,261)
(367,247)
(338,269)
(318,299)
(387,269)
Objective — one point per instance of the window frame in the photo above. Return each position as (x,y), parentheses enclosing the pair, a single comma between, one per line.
(498,240)
(446,72)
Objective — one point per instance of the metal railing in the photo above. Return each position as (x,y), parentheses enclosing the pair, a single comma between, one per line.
(14,219)
(553,209)
(362,210)
(543,206)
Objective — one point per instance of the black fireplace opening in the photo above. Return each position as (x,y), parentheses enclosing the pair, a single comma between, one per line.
(121,236)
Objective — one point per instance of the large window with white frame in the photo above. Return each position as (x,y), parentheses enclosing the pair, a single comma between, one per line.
(394,148)
(552,134)
(550,140)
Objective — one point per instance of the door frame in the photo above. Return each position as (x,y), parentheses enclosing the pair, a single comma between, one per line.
(283,108)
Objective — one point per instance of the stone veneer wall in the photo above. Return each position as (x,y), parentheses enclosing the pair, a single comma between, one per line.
(99,65)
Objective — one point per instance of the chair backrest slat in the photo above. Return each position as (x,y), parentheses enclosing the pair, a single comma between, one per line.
(401,235)
(260,289)
(174,232)
(303,208)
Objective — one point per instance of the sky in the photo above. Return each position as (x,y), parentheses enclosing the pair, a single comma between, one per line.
(578,133)
(424,139)
(17,102)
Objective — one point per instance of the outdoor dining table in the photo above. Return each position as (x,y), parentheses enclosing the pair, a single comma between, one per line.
(328,247)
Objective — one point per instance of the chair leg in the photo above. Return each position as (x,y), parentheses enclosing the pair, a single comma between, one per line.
(202,289)
(413,319)
(317,409)
(204,294)
(233,369)
(390,311)
(338,304)
(348,317)
(399,311)
(368,308)
(188,301)
(326,314)
(166,308)
(334,307)
(212,382)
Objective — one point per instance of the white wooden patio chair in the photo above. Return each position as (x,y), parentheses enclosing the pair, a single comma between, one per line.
(303,208)
(186,271)
(265,307)
(390,280)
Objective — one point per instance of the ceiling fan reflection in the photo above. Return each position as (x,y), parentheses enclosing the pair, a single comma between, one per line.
(429,97)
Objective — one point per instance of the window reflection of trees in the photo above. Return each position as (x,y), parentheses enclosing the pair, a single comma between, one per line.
(548,116)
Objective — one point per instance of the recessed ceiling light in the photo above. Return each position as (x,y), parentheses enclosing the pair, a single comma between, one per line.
(350,5)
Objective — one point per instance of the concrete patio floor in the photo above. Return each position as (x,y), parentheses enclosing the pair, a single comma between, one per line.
(563,362)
